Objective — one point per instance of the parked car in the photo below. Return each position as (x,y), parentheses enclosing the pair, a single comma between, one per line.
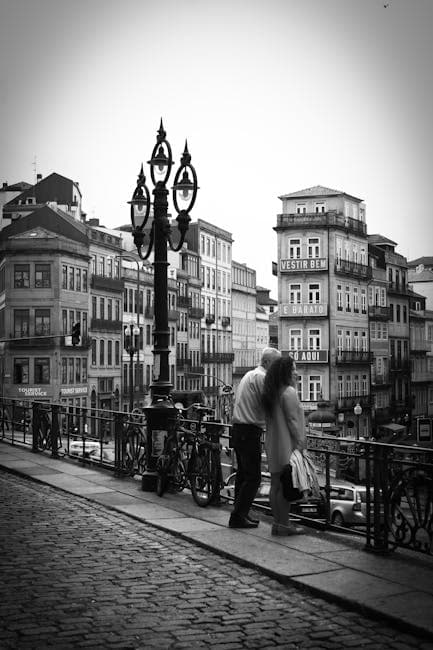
(314,508)
(76,447)
(107,455)
(348,503)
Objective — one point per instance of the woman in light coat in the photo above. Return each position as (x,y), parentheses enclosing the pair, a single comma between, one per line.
(285,432)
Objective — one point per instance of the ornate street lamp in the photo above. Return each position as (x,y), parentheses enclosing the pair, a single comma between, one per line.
(132,331)
(357,410)
(156,237)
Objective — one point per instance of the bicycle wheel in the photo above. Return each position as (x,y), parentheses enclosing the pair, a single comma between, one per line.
(202,479)
(177,475)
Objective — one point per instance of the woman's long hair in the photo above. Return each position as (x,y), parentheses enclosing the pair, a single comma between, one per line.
(278,375)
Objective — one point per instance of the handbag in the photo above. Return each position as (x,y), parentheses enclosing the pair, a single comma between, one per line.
(290,492)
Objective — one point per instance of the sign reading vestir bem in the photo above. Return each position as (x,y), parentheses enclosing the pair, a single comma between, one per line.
(305,264)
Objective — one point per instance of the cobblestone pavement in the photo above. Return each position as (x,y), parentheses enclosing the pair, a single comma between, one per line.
(77,575)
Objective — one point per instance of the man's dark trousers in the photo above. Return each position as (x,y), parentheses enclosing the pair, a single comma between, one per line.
(246,440)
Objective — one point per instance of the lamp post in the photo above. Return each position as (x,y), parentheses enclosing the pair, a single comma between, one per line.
(128,346)
(156,239)
(132,330)
(357,410)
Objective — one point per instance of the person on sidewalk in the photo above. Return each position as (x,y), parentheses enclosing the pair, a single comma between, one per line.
(285,432)
(248,423)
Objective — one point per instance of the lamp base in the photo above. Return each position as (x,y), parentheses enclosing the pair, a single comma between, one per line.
(148,482)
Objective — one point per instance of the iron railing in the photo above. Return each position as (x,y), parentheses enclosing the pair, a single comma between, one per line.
(397,480)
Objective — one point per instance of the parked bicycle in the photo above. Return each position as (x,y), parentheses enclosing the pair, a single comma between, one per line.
(191,457)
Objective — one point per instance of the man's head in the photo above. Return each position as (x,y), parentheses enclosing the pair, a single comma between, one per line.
(269,355)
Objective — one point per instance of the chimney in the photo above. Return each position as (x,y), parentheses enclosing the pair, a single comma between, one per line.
(38,177)
(5,186)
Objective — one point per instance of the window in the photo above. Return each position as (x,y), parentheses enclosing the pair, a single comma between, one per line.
(102,308)
(71,278)
(93,352)
(315,387)
(348,386)
(313,247)
(21,371)
(109,309)
(42,370)
(42,322)
(319,206)
(42,276)
(348,340)
(64,277)
(294,249)
(314,293)
(101,352)
(110,353)
(64,371)
(314,339)
(355,300)
(339,298)
(340,387)
(71,370)
(296,339)
(339,340)
(21,323)
(77,279)
(397,315)
(295,294)
(348,301)
(301,208)
(356,341)
(21,276)
(93,306)
(117,353)
(65,322)
(77,371)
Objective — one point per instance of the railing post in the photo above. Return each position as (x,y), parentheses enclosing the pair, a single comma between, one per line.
(118,444)
(55,428)
(35,425)
(380,495)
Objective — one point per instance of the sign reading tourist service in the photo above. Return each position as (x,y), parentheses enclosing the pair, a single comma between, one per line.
(305,264)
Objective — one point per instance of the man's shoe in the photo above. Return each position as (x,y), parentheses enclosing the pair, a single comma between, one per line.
(255,521)
(241,522)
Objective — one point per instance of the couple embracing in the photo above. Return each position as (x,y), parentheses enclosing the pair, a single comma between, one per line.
(266,399)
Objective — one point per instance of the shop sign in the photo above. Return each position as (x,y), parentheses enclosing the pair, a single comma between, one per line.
(306,264)
(74,390)
(310,356)
(32,391)
(303,310)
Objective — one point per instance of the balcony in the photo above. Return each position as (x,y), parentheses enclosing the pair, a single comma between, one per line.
(421,377)
(148,311)
(345,267)
(400,365)
(173,314)
(139,389)
(196,312)
(182,363)
(312,220)
(225,321)
(183,301)
(241,370)
(419,345)
(43,341)
(210,319)
(217,357)
(196,370)
(106,284)
(379,313)
(104,325)
(397,287)
(380,380)
(349,403)
(210,390)
(353,356)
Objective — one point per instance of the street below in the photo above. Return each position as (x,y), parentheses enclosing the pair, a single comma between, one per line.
(75,574)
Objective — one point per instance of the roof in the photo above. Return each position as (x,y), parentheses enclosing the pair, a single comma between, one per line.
(422,276)
(426,261)
(51,188)
(16,187)
(55,221)
(377,240)
(316,190)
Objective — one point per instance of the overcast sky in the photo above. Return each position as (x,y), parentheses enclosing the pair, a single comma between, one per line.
(273,95)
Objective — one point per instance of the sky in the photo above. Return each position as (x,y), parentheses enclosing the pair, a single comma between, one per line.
(273,96)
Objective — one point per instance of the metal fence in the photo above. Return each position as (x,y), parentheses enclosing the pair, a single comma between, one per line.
(395,481)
